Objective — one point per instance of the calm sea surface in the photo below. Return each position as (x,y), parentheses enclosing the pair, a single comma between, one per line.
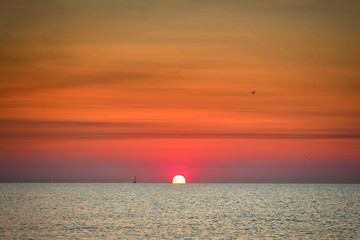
(191,211)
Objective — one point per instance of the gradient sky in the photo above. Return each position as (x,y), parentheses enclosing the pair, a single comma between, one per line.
(101,91)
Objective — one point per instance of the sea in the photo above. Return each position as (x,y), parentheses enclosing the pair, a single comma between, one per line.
(171,211)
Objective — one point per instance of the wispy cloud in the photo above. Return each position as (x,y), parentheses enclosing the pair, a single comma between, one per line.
(21,129)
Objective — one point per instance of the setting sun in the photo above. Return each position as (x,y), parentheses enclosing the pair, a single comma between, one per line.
(179,179)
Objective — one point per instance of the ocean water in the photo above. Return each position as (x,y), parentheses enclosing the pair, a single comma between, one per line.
(191,211)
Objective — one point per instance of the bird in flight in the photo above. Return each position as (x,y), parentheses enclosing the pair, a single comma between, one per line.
(253,92)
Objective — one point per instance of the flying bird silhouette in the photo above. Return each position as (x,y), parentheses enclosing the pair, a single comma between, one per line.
(253,92)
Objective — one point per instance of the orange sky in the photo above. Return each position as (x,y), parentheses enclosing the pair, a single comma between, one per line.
(102,91)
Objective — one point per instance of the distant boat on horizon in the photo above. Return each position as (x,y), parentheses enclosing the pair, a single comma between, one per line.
(134,181)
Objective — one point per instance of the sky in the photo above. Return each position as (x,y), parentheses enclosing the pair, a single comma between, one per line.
(102,91)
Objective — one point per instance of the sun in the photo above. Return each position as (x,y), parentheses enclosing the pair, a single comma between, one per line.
(179,179)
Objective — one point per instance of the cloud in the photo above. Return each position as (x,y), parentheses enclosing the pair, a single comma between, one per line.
(217,135)
(44,123)
(52,130)
(307,5)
